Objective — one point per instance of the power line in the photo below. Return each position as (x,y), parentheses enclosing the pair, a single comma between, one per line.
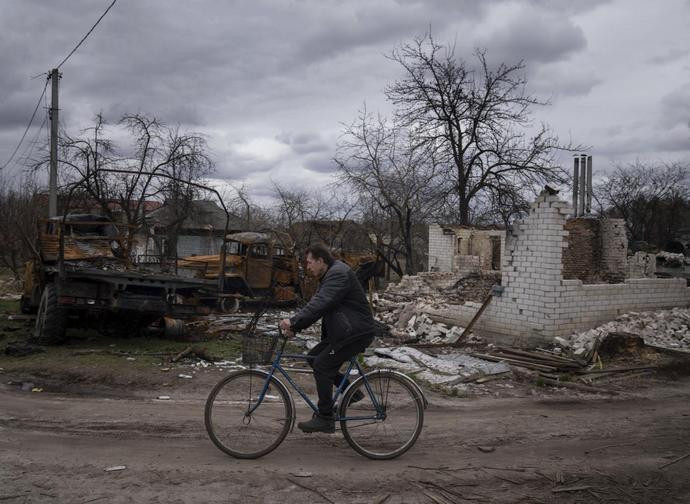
(38,104)
(25,158)
(87,34)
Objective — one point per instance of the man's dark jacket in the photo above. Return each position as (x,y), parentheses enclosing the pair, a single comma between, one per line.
(341,301)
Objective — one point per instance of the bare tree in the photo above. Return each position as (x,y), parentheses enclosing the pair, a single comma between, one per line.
(383,164)
(309,216)
(20,209)
(156,150)
(476,122)
(654,200)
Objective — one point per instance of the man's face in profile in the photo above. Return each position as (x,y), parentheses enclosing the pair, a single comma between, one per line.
(315,267)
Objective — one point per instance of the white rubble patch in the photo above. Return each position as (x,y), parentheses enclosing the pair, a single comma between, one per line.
(672,259)
(230,364)
(664,328)
(438,369)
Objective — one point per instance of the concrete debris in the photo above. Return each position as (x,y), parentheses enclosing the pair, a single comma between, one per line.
(403,306)
(452,369)
(443,288)
(410,325)
(672,260)
(663,328)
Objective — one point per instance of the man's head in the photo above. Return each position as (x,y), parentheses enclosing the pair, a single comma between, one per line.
(319,259)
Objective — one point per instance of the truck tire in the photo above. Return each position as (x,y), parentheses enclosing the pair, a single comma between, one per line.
(229,305)
(50,319)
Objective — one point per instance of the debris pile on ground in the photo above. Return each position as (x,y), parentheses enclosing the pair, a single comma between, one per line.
(540,360)
(452,370)
(10,289)
(672,260)
(443,288)
(410,326)
(401,306)
(663,328)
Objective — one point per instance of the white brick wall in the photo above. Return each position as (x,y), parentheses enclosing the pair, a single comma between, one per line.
(538,304)
(441,249)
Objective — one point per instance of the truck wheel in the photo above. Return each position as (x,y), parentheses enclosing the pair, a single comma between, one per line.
(25,305)
(229,305)
(50,319)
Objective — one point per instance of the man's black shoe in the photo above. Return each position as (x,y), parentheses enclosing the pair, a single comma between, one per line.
(318,423)
(357,396)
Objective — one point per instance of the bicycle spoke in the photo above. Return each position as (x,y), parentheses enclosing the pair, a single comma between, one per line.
(237,425)
(393,433)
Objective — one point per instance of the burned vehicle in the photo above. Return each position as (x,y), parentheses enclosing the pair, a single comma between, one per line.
(83,276)
(258,266)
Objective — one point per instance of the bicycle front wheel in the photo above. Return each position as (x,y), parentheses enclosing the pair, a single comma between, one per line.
(237,425)
(389,418)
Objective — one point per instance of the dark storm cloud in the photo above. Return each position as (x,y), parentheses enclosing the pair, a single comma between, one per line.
(304,143)
(536,36)
(670,56)
(237,167)
(675,141)
(568,7)
(555,81)
(675,106)
(321,164)
(270,81)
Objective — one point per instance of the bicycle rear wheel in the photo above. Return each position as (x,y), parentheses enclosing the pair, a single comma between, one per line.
(394,428)
(234,427)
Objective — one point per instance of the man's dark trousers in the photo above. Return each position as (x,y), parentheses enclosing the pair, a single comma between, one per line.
(326,367)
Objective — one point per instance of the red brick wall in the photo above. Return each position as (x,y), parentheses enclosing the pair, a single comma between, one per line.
(582,257)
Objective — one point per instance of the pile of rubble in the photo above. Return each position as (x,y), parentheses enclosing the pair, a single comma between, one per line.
(443,288)
(11,289)
(664,328)
(402,306)
(452,370)
(408,324)
(672,260)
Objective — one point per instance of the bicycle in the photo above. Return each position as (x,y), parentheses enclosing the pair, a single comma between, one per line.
(251,411)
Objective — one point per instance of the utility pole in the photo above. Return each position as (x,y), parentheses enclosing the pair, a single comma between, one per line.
(52,182)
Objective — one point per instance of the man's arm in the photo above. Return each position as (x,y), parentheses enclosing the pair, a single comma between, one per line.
(332,291)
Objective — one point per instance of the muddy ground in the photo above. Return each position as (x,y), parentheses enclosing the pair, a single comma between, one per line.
(68,413)
(542,446)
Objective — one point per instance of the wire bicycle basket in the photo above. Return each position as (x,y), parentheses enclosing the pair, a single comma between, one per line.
(259,348)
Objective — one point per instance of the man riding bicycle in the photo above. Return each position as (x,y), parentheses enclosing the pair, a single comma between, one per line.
(347,329)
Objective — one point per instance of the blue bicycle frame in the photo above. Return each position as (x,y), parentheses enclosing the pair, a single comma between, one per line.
(353,364)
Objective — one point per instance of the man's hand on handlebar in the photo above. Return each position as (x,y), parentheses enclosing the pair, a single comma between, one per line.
(286,328)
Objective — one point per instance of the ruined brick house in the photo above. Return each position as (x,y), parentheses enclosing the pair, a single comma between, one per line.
(562,275)
(465,249)
(596,252)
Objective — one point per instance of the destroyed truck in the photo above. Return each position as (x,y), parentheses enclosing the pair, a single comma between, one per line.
(258,266)
(82,276)
(263,266)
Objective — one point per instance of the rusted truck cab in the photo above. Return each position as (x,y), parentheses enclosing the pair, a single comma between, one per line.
(257,266)
(83,276)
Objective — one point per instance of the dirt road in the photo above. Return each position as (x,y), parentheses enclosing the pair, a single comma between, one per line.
(54,448)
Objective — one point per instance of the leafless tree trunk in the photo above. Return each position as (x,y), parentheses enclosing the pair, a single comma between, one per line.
(383,163)
(476,123)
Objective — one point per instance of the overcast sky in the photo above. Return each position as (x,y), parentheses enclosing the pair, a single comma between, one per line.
(270,82)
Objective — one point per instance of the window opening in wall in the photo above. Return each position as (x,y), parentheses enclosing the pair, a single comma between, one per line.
(495,253)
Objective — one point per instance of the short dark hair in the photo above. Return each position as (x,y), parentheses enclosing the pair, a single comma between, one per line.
(320,251)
